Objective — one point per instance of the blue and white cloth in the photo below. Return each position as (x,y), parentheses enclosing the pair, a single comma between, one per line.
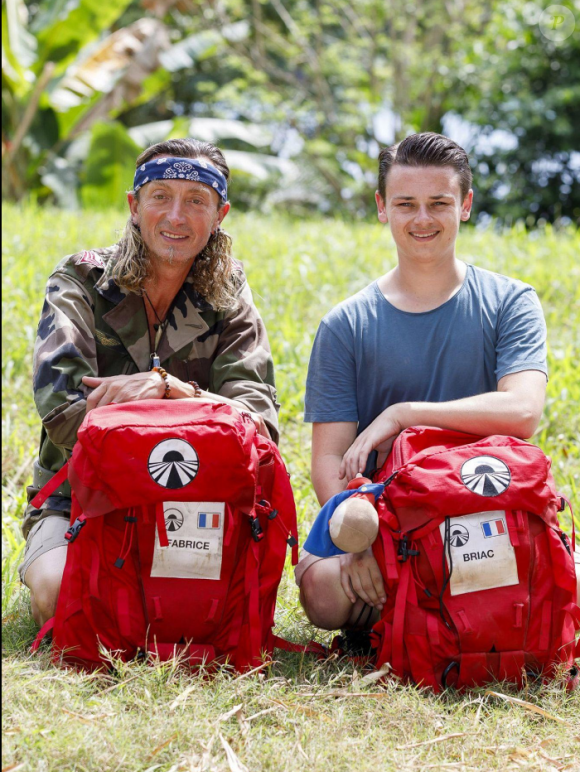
(177,168)
(319,542)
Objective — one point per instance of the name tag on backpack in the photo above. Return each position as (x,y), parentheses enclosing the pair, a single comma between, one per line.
(195,531)
(482,555)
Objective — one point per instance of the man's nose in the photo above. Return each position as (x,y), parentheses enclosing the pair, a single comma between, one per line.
(423,214)
(176,213)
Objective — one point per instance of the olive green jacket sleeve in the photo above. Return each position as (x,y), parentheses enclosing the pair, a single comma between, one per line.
(65,351)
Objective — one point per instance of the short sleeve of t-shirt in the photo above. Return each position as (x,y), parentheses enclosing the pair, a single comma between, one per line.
(521,334)
(331,384)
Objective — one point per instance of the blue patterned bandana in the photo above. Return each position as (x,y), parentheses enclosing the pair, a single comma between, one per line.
(176,168)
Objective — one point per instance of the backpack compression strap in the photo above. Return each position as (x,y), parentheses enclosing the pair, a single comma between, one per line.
(311,648)
(47,490)
(564,502)
(44,630)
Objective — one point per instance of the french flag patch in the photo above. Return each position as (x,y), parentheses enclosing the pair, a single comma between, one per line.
(208,520)
(493,528)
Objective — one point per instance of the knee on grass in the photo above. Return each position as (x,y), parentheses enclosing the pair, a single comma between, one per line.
(323,598)
(43,602)
(43,578)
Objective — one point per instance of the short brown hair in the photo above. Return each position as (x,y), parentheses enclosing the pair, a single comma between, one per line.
(426,149)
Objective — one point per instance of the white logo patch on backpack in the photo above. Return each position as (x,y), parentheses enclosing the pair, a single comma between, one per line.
(482,555)
(486,475)
(195,531)
(173,463)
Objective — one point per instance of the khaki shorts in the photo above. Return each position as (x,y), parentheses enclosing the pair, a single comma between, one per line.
(305,561)
(44,536)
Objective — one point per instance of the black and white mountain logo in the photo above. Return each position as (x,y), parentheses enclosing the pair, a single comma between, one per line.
(173,463)
(486,475)
(459,536)
(173,519)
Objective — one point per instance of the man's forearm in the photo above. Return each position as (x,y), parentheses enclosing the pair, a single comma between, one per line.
(325,477)
(484,414)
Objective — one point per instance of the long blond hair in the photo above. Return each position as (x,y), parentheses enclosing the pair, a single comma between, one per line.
(212,271)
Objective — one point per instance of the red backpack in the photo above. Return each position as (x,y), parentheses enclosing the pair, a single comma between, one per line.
(480,578)
(181,515)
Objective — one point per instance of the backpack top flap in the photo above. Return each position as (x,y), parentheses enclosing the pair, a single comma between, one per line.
(454,474)
(160,450)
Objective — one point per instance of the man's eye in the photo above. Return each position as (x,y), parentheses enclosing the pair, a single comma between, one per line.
(441,203)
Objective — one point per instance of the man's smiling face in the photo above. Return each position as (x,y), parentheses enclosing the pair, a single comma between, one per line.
(176,218)
(424,207)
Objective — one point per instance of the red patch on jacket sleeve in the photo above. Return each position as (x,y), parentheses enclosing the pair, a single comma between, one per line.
(92,258)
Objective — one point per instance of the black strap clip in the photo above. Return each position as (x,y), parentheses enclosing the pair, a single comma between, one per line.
(257,532)
(75,528)
(404,552)
(565,542)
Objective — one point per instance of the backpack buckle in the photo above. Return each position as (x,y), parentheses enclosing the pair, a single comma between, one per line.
(257,532)
(404,552)
(75,528)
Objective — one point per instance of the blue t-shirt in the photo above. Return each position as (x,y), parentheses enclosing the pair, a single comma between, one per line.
(368,354)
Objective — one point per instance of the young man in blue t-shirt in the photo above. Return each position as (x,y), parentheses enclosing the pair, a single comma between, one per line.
(434,342)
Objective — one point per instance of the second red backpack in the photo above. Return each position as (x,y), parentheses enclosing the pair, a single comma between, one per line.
(181,516)
(480,577)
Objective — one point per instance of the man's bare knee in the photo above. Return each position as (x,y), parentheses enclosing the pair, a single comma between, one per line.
(322,596)
(43,578)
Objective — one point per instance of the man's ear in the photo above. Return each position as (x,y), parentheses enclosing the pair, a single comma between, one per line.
(133,207)
(222,211)
(381,208)
(466,206)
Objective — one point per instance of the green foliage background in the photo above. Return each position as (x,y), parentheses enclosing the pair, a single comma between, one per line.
(301,92)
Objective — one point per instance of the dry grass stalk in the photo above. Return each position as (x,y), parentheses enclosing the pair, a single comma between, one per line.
(528,706)
(159,748)
(437,740)
(256,670)
(234,763)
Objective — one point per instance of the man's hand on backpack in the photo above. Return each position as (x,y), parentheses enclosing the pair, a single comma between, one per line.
(361,577)
(149,385)
(123,388)
(379,435)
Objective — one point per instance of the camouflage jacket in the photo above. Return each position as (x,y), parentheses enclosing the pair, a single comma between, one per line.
(89,326)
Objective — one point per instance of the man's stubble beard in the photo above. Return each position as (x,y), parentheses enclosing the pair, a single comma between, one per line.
(168,258)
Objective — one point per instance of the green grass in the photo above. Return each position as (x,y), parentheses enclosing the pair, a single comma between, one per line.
(299,713)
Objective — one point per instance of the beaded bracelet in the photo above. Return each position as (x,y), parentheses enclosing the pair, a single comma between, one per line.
(163,374)
(196,388)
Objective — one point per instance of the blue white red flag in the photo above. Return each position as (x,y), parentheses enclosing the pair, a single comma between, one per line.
(208,520)
(493,528)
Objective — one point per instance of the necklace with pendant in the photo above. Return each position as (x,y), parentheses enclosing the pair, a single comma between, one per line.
(159,330)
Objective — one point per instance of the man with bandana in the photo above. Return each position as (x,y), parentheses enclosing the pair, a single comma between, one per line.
(165,313)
